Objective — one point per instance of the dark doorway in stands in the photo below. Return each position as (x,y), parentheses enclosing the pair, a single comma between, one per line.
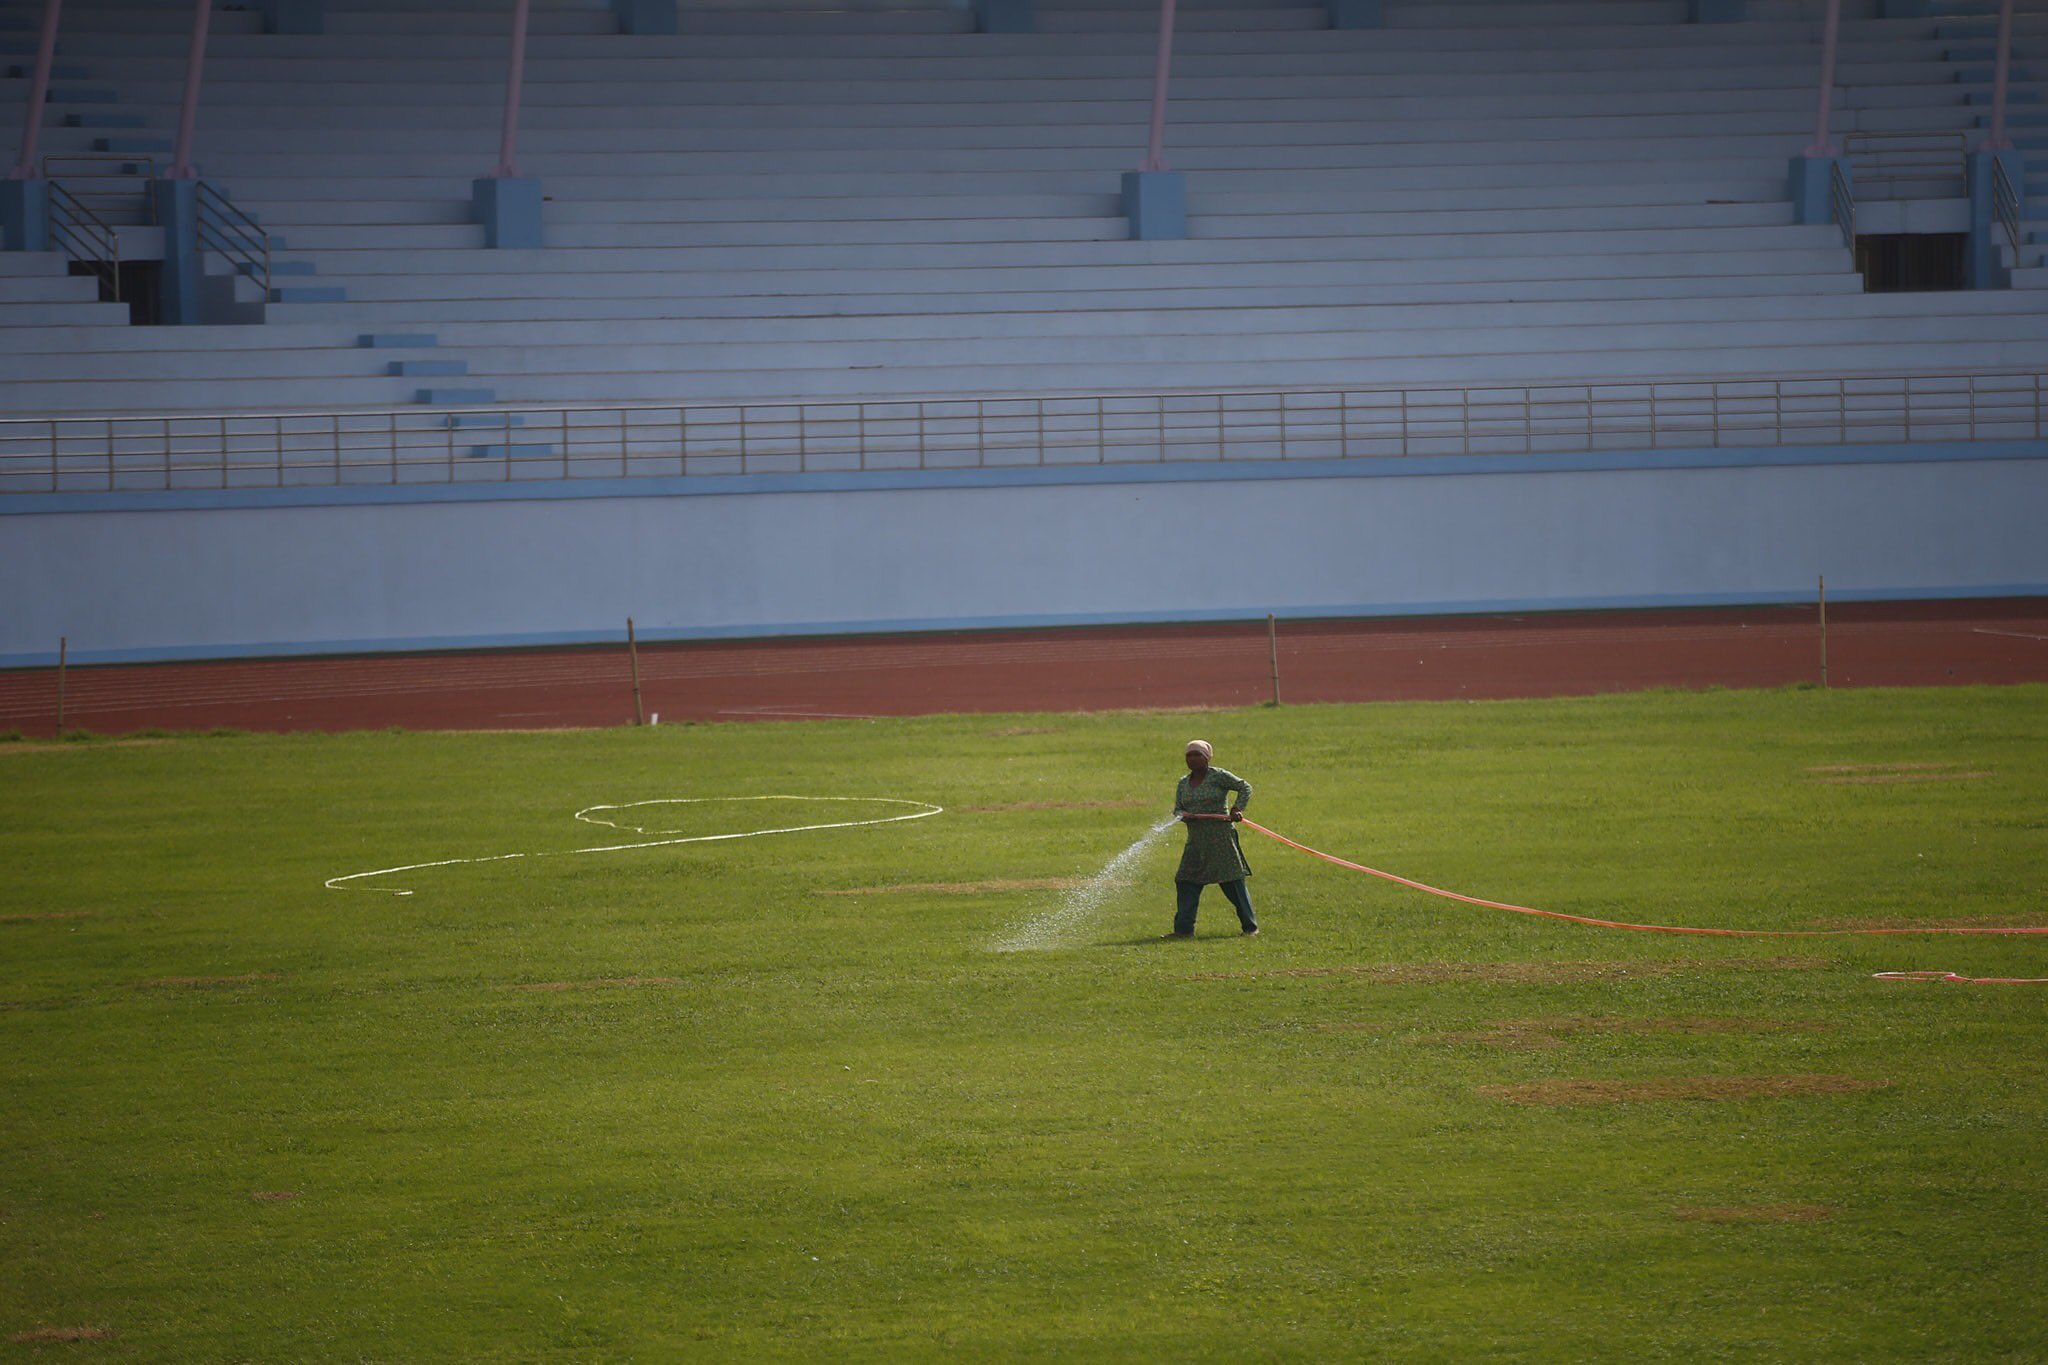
(1911,262)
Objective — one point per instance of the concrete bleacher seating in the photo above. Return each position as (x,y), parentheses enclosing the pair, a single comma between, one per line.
(805,201)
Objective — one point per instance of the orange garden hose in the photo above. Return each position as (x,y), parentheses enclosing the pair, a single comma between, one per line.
(1684,929)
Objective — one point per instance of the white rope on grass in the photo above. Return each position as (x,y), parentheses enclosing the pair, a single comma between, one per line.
(924,810)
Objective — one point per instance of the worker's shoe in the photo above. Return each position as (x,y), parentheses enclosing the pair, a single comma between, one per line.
(1177,934)
(1251,933)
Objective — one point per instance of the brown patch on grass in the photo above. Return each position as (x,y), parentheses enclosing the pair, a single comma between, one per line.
(1525,973)
(606,983)
(1547,1034)
(205,982)
(1567,1092)
(1886,779)
(273,1196)
(45,914)
(1754,1213)
(38,1334)
(1055,805)
(1924,922)
(45,746)
(964,888)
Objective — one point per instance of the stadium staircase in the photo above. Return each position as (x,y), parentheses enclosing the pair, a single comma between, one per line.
(816,201)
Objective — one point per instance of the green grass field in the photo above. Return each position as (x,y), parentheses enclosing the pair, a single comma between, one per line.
(758,1119)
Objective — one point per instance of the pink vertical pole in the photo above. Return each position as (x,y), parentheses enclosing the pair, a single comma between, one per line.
(188,111)
(515,89)
(1831,32)
(1162,66)
(38,93)
(2001,77)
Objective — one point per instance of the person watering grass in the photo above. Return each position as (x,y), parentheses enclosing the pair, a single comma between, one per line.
(1213,853)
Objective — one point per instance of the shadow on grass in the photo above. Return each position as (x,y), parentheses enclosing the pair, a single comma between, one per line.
(1162,940)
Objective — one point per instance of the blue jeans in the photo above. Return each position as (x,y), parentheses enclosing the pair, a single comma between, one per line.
(1188,894)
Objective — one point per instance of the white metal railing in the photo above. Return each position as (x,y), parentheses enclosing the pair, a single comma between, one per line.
(1842,203)
(1908,165)
(81,236)
(439,446)
(224,228)
(2005,206)
(114,185)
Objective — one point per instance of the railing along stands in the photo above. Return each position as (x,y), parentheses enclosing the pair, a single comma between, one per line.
(80,234)
(234,234)
(1908,165)
(115,187)
(1842,204)
(415,446)
(2005,205)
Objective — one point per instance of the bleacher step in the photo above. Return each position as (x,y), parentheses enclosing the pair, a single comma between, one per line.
(456,397)
(429,369)
(397,340)
(501,421)
(105,121)
(131,146)
(58,72)
(307,293)
(516,450)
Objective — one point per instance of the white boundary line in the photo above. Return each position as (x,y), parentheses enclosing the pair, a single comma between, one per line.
(924,810)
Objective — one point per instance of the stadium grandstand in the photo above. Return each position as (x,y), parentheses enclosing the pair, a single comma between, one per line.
(394,324)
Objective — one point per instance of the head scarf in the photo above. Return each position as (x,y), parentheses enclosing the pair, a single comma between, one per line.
(1203,747)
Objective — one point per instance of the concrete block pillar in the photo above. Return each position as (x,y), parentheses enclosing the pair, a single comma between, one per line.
(1717,11)
(1156,202)
(178,286)
(508,207)
(1811,182)
(294,16)
(24,215)
(1357,14)
(1984,265)
(654,18)
(1004,16)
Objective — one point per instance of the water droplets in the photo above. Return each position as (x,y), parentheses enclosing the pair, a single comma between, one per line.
(1078,906)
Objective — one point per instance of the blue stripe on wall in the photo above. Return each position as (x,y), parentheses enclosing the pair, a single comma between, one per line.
(1412,466)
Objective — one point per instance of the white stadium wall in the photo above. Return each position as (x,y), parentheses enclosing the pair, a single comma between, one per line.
(313,570)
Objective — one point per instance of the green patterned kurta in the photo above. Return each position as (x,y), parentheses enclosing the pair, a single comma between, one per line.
(1212,854)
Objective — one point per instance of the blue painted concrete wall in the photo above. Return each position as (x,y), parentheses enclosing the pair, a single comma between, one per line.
(487,570)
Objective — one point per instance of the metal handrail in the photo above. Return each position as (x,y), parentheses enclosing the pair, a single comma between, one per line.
(427,445)
(130,196)
(1842,203)
(2005,205)
(85,238)
(1936,161)
(225,228)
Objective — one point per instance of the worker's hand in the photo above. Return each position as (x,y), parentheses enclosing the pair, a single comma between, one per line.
(1235,816)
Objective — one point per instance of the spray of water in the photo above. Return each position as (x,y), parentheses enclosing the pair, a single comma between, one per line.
(1078,906)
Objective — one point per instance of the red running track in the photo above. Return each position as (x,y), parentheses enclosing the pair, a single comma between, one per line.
(2001,640)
